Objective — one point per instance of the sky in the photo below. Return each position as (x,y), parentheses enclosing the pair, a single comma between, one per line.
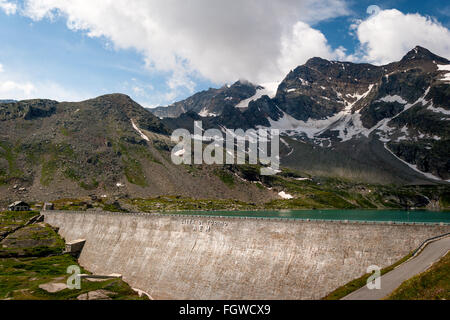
(162,51)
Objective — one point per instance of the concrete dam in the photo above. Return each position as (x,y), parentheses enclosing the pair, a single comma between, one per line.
(192,257)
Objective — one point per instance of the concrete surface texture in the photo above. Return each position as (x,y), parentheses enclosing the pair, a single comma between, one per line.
(180,257)
(432,253)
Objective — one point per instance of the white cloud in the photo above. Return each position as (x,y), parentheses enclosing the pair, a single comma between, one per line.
(14,86)
(22,90)
(8,7)
(14,90)
(389,34)
(303,43)
(219,40)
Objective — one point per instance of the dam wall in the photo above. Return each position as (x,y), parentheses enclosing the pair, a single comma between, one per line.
(191,257)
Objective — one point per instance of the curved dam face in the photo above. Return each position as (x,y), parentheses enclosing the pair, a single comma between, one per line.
(180,257)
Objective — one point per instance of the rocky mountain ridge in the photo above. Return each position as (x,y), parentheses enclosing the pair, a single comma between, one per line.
(402,107)
(210,103)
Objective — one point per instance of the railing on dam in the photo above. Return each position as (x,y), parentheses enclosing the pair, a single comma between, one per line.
(281,219)
(426,242)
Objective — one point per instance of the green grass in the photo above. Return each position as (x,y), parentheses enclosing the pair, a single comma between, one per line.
(89,186)
(33,256)
(113,207)
(7,153)
(445,200)
(16,216)
(356,284)
(36,240)
(11,220)
(48,171)
(433,284)
(20,280)
(134,172)
(225,177)
(65,132)
(72,174)
(175,203)
(70,204)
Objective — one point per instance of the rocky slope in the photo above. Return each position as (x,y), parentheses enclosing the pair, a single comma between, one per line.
(108,146)
(374,123)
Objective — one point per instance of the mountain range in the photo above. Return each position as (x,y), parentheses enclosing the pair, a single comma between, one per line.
(359,123)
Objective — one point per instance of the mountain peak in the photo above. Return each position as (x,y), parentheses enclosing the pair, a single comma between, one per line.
(115,97)
(420,53)
(316,61)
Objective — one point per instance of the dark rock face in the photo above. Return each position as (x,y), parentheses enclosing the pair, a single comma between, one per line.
(319,89)
(210,102)
(378,111)
(28,110)
(440,94)
(434,160)
(257,114)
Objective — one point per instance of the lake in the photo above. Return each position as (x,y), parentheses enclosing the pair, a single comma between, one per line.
(416,216)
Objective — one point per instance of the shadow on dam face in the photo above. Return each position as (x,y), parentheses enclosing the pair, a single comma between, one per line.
(180,257)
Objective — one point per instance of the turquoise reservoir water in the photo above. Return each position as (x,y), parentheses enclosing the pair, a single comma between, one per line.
(416,216)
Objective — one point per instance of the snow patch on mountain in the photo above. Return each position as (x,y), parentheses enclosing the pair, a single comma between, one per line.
(143,136)
(438,110)
(358,97)
(267,89)
(347,123)
(205,113)
(304,82)
(393,99)
(288,146)
(285,195)
(384,130)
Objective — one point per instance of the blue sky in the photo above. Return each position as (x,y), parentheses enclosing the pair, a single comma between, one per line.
(43,57)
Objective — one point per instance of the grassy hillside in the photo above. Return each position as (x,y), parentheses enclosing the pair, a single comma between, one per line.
(108,146)
(308,193)
(433,284)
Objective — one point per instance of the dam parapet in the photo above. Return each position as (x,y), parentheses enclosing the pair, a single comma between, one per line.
(176,256)
(286,219)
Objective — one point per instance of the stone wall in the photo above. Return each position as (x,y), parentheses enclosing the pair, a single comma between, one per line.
(181,257)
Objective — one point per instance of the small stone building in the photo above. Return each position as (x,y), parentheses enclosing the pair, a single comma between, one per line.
(19,206)
(48,206)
